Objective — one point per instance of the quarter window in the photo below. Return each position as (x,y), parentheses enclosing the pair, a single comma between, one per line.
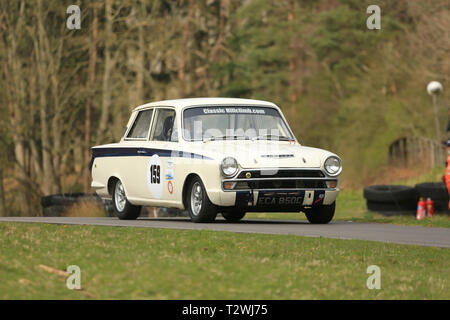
(141,125)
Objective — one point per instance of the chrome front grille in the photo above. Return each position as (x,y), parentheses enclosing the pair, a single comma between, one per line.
(282,179)
(282,173)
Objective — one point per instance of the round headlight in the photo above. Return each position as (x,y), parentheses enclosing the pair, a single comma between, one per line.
(229,166)
(333,166)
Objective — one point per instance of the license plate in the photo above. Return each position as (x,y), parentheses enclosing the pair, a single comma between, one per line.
(282,199)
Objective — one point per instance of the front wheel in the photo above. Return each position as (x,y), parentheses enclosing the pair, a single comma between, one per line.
(199,206)
(123,209)
(322,214)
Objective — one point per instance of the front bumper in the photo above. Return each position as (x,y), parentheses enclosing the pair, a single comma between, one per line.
(274,200)
(267,190)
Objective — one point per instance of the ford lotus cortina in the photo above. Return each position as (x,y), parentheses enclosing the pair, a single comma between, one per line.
(215,155)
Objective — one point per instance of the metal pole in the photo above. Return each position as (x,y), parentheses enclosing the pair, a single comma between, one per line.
(436,118)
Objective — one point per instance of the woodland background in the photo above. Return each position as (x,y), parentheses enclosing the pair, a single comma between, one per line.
(342,87)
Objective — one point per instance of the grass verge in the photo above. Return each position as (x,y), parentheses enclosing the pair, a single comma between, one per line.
(137,263)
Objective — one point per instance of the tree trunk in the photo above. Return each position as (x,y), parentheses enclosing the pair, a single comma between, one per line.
(106,82)
(292,62)
(15,94)
(56,125)
(140,63)
(91,81)
(42,59)
(220,43)
(2,195)
(184,49)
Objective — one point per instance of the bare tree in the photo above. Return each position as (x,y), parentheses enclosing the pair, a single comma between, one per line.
(292,61)
(109,64)
(91,81)
(183,53)
(2,195)
(14,29)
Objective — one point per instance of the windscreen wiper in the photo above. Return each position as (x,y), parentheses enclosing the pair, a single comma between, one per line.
(272,137)
(233,137)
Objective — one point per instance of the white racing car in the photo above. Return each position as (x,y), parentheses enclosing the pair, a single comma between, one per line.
(215,155)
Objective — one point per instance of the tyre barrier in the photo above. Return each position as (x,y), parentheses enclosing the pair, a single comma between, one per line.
(109,208)
(392,208)
(437,191)
(392,200)
(162,212)
(54,205)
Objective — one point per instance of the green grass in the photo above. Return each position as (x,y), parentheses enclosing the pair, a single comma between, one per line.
(135,263)
(351,205)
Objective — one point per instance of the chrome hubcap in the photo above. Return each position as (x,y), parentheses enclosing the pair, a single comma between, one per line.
(119,196)
(196,198)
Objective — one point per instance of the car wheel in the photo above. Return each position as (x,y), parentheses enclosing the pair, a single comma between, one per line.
(233,216)
(123,209)
(199,206)
(321,214)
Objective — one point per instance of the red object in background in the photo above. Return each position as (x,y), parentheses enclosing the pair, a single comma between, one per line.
(421,209)
(447,178)
(430,207)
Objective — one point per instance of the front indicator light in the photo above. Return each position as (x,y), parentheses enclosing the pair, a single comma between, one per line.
(229,185)
(331,184)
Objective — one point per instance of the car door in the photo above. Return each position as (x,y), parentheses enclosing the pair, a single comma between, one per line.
(133,166)
(163,149)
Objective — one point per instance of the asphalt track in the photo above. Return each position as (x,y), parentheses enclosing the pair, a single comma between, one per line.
(413,235)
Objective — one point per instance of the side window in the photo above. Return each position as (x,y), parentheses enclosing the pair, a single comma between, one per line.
(141,125)
(174,136)
(163,128)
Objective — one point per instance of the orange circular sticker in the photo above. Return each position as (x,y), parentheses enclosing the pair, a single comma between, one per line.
(170,187)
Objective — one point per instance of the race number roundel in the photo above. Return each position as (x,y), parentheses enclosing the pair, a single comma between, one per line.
(154,177)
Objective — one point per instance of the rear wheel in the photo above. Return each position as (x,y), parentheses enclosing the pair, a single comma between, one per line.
(199,206)
(321,214)
(233,216)
(123,209)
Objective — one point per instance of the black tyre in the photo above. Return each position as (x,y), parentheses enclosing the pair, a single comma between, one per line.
(438,192)
(174,212)
(441,206)
(109,208)
(233,216)
(321,214)
(390,193)
(123,209)
(68,199)
(433,190)
(46,201)
(392,208)
(54,211)
(199,206)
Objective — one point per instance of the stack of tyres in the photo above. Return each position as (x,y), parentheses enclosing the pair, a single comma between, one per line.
(391,199)
(54,205)
(436,191)
(162,212)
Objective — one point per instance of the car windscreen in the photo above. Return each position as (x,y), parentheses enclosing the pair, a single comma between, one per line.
(234,122)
